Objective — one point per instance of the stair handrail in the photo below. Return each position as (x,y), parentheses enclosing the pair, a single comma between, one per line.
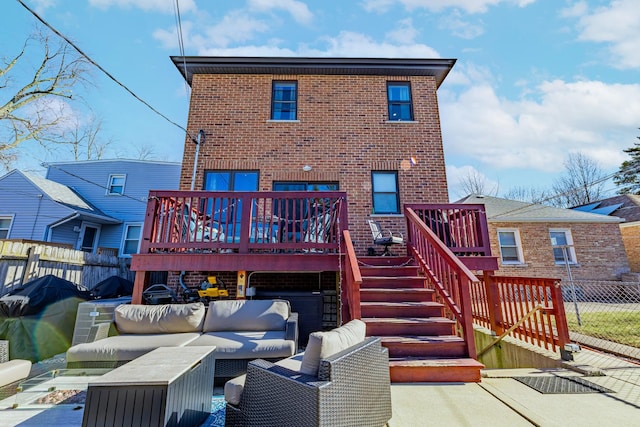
(353,277)
(446,273)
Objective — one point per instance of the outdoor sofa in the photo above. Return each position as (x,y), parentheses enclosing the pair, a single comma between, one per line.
(12,372)
(341,379)
(241,330)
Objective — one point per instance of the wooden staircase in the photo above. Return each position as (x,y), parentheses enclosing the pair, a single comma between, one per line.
(397,307)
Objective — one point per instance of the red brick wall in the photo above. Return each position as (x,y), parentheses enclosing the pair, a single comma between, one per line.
(631,239)
(342,132)
(600,252)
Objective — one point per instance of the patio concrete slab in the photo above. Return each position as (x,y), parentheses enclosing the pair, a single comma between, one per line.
(449,404)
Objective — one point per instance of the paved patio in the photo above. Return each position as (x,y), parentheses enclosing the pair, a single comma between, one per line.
(499,400)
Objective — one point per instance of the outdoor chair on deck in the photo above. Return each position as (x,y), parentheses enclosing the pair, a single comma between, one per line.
(384,238)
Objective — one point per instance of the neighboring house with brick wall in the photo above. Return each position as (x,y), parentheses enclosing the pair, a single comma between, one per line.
(627,207)
(530,240)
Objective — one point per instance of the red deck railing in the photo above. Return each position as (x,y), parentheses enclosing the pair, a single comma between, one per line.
(243,222)
(445,272)
(530,309)
(353,280)
(461,227)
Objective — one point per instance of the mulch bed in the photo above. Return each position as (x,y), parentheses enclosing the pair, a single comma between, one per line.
(64,397)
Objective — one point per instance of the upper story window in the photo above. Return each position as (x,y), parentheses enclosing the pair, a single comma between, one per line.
(131,239)
(116,184)
(5,226)
(284,100)
(386,195)
(304,186)
(399,97)
(510,246)
(562,244)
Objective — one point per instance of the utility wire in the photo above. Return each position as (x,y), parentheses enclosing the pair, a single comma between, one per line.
(63,37)
(176,10)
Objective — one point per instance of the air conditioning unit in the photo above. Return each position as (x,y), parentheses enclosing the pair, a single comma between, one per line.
(92,313)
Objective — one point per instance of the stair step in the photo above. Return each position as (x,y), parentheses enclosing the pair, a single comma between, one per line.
(410,369)
(385,261)
(401,309)
(425,346)
(391,271)
(409,326)
(393,281)
(397,294)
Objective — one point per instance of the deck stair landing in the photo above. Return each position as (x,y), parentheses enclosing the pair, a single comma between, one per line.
(397,307)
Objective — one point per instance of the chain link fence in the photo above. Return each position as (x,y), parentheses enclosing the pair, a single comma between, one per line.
(604,318)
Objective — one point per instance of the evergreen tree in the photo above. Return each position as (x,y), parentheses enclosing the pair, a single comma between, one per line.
(628,176)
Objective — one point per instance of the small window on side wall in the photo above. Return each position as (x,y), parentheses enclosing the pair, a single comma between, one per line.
(131,239)
(116,184)
(562,244)
(5,226)
(400,105)
(284,100)
(510,246)
(386,196)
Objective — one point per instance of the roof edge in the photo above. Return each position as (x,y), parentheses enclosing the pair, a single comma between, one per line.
(189,65)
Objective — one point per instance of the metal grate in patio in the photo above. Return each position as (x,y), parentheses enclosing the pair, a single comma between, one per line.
(562,385)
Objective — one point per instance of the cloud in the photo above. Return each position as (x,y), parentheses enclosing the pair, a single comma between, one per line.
(235,27)
(41,5)
(297,9)
(460,27)
(469,6)
(616,25)
(457,175)
(164,6)
(535,132)
(348,43)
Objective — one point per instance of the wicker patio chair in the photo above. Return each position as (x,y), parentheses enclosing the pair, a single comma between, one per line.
(12,372)
(352,389)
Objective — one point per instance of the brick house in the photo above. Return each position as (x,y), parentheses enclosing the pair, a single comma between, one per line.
(627,207)
(527,238)
(285,161)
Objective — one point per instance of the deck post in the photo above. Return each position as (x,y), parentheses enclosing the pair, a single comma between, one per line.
(493,303)
(138,287)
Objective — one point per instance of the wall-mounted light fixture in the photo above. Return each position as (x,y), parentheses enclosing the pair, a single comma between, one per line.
(306,168)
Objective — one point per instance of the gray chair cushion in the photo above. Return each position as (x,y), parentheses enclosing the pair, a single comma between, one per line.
(126,347)
(247,315)
(324,344)
(233,388)
(247,345)
(158,319)
(14,370)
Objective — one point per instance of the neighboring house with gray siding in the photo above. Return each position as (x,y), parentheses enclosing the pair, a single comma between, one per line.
(89,205)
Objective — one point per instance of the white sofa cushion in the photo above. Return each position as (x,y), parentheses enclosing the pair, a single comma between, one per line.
(14,370)
(324,344)
(233,388)
(247,345)
(126,347)
(247,315)
(158,319)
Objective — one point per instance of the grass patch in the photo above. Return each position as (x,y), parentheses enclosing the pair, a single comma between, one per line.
(622,327)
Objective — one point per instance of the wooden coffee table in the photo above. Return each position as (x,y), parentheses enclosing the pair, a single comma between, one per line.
(168,386)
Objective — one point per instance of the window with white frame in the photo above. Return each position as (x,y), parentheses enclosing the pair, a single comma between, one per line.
(562,244)
(131,239)
(5,226)
(510,246)
(116,184)
(385,192)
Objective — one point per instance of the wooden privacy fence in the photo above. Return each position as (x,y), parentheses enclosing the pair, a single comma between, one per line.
(23,261)
(530,309)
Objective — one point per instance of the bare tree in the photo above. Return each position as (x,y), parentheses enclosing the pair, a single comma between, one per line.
(145,152)
(84,139)
(525,194)
(32,100)
(474,182)
(582,183)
